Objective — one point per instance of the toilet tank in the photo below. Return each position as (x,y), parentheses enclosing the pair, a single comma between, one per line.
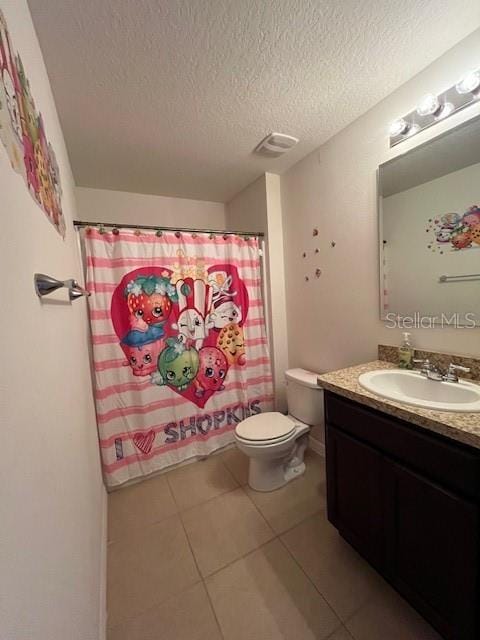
(304,396)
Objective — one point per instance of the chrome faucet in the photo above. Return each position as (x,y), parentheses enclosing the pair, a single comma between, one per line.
(432,372)
(429,370)
(451,375)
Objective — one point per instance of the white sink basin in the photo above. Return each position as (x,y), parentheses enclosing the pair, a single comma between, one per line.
(412,388)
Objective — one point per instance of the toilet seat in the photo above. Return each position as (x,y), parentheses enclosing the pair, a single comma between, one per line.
(265,444)
(265,428)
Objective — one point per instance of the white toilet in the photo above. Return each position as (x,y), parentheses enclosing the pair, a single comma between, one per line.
(274,443)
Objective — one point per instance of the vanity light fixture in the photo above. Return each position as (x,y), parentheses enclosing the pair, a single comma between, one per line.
(399,127)
(435,107)
(470,83)
(415,128)
(445,110)
(429,105)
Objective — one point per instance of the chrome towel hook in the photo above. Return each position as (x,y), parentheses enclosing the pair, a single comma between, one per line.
(44,285)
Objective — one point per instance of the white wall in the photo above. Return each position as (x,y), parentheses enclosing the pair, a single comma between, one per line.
(258,208)
(52,503)
(414,268)
(247,211)
(277,306)
(122,207)
(334,321)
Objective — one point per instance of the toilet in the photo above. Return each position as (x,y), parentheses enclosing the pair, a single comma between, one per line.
(275,443)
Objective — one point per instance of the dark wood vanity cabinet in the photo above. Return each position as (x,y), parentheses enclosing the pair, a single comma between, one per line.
(354,493)
(408,501)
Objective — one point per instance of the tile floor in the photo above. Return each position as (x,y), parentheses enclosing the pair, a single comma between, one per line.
(194,554)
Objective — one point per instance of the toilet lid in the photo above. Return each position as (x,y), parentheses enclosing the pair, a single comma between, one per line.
(265,426)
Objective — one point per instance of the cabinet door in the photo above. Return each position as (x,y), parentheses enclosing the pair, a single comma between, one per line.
(432,558)
(353,493)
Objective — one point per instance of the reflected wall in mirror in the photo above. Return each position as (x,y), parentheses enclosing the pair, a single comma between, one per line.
(429,221)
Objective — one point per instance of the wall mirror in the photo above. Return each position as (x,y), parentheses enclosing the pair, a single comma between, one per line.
(429,222)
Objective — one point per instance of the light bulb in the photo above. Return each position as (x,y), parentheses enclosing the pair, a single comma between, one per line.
(469,83)
(398,127)
(415,128)
(445,110)
(428,105)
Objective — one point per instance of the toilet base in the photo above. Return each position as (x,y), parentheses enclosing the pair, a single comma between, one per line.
(268,475)
(295,472)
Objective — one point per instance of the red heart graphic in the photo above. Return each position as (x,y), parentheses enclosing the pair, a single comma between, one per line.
(144,441)
(212,356)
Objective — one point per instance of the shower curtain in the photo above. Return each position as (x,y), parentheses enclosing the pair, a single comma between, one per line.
(180,351)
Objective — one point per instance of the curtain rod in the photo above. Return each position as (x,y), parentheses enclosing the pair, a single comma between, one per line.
(81,223)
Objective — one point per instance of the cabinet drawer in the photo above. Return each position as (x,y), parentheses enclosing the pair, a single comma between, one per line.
(455,466)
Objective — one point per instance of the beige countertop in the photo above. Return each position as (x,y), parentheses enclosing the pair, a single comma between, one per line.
(462,427)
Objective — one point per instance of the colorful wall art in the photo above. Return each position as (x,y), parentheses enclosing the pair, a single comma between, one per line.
(454,231)
(22,133)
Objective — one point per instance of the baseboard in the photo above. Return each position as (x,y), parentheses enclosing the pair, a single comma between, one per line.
(102,632)
(317,446)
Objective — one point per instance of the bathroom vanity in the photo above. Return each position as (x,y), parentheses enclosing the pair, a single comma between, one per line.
(403,488)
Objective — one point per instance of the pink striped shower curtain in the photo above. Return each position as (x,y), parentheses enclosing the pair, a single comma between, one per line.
(180,352)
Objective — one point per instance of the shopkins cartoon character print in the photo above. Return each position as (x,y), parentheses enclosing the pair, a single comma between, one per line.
(142,356)
(140,307)
(177,365)
(22,133)
(12,103)
(177,333)
(213,367)
(225,310)
(231,342)
(454,231)
(225,313)
(149,300)
(194,306)
(230,305)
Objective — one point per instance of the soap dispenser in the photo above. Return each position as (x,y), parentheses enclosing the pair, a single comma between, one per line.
(406,352)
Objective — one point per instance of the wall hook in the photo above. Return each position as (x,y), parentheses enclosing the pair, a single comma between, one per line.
(45,285)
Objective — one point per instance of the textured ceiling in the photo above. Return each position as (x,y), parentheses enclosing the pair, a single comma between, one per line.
(171,96)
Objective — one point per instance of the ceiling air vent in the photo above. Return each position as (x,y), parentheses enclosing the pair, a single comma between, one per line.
(275,144)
